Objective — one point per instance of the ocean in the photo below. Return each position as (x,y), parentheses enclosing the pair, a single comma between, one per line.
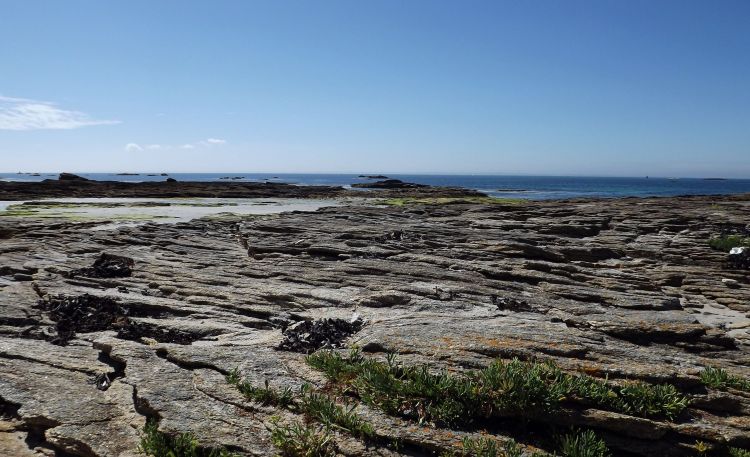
(527,187)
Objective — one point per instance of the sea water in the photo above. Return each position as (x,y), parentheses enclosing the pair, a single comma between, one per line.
(527,187)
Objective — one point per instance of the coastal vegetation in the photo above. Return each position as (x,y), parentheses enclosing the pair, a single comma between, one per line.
(486,447)
(727,242)
(515,388)
(314,405)
(323,416)
(263,395)
(303,440)
(719,378)
(583,444)
(159,444)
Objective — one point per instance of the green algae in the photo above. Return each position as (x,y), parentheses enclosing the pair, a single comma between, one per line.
(40,205)
(402,201)
(79,216)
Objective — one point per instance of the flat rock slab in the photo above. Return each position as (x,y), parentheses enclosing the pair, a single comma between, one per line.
(626,289)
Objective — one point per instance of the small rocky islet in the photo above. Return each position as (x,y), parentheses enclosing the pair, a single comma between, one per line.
(426,322)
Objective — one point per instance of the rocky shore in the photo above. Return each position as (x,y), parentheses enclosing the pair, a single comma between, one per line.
(72,186)
(617,307)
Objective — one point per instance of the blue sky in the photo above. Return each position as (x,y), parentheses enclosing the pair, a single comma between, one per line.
(598,87)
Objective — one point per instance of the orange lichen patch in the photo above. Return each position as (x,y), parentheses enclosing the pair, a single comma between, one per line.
(740,422)
(679,328)
(510,344)
(591,370)
(446,436)
(499,342)
(447,341)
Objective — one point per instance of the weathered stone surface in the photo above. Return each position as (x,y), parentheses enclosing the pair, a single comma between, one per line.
(627,289)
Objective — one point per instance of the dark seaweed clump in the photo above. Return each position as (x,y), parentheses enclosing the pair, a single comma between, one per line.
(107,266)
(309,336)
(89,313)
(81,314)
(136,330)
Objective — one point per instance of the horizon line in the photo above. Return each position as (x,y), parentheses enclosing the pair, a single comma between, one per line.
(400,173)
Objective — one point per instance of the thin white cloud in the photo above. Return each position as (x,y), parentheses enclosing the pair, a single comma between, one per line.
(209,142)
(25,114)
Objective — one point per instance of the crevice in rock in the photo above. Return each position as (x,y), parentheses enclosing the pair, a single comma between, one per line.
(142,406)
(17,321)
(46,363)
(189,365)
(9,410)
(137,331)
(35,431)
(104,380)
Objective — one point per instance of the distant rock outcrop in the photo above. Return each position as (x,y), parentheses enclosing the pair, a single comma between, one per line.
(71,177)
(69,186)
(390,184)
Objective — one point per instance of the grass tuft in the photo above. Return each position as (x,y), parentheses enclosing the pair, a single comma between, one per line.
(488,447)
(299,440)
(263,395)
(324,410)
(158,444)
(737,452)
(583,444)
(315,406)
(718,378)
(648,400)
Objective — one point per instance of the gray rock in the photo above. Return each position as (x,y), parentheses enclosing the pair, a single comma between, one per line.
(623,289)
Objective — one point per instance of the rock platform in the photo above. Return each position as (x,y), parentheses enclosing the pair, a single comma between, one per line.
(624,289)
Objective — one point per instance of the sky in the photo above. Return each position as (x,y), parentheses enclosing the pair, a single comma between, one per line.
(534,87)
